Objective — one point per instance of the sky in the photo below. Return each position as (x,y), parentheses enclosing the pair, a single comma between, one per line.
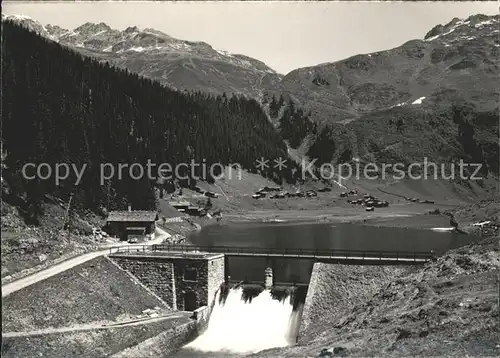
(284,35)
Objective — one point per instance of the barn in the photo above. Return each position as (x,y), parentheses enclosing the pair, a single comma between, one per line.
(131,223)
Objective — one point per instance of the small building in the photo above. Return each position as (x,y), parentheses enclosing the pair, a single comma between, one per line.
(185,281)
(196,211)
(270,188)
(311,193)
(259,195)
(181,206)
(135,234)
(131,222)
(210,194)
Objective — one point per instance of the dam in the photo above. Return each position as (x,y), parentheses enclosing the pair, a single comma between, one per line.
(261,314)
(198,282)
(264,293)
(272,284)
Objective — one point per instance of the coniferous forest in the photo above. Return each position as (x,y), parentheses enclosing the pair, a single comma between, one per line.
(295,125)
(61,107)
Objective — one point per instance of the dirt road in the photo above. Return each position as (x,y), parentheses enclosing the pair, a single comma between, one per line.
(65,265)
(94,326)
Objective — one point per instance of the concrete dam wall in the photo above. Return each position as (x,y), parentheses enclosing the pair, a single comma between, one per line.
(336,288)
(184,282)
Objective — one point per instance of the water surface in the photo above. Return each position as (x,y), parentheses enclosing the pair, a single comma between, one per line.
(334,236)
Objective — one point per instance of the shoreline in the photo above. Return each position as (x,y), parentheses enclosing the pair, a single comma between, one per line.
(410,220)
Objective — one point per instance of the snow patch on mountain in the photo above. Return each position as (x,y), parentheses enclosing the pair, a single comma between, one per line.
(399,105)
(16,17)
(180,46)
(137,49)
(418,101)
(224,53)
(99,33)
(441,35)
(484,23)
(466,26)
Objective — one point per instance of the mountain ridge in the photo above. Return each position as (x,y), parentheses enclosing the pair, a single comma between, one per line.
(179,64)
(394,93)
(195,65)
(362,83)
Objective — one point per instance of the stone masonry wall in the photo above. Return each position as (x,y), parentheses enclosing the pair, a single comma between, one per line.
(216,277)
(165,277)
(198,287)
(155,274)
(163,345)
(336,288)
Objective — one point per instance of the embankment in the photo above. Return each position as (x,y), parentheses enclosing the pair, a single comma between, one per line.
(98,342)
(169,341)
(95,291)
(448,307)
(334,289)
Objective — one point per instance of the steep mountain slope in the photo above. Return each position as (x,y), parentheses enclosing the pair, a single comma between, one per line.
(63,109)
(436,98)
(151,53)
(72,109)
(459,59)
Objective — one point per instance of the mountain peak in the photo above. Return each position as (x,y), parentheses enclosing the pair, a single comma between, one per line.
(16,17)
(131,29)
(28,23)
(471,24)
(156,32)
(154,54)
(93,27)
(476,19)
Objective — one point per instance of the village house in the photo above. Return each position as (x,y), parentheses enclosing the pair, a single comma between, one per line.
(196,211)
(180,206)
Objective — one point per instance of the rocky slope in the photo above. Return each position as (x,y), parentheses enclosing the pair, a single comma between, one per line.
(459,59)
(183,65)
(437,97)
(447,308)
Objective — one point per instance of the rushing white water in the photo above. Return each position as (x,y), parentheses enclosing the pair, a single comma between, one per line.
(239,327)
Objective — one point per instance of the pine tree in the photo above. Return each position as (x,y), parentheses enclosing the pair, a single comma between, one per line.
(72,109)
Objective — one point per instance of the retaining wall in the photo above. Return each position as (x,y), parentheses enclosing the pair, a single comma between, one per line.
(165,276)
(335,288)
(102,342)
(157,275)
(170,341)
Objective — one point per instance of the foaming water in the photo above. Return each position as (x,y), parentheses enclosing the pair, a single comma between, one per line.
(240,327)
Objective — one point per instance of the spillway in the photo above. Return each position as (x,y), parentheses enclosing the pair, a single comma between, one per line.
(241,326)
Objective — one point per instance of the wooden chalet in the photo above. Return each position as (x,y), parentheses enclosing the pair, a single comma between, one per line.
(132,222)
(180,206)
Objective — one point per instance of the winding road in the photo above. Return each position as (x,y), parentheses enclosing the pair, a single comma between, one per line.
(66,265)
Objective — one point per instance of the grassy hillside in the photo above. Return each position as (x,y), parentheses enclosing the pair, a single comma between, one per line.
(96,291)
(27,247)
